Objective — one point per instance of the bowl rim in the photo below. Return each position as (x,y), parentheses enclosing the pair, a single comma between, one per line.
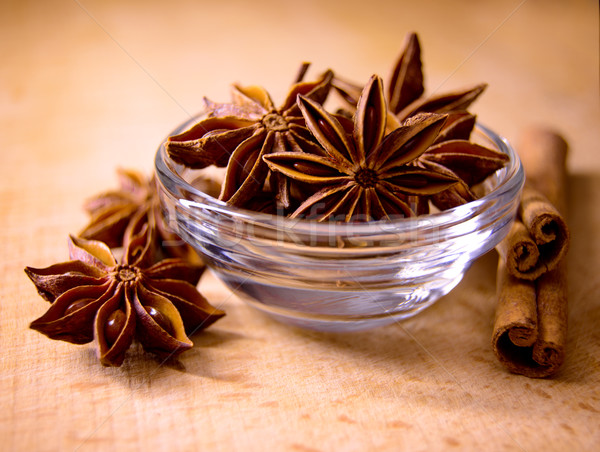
(512,181)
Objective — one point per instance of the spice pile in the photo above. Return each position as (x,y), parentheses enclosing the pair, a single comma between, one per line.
(389,152)
(530,328)
(148,294)
(386,154)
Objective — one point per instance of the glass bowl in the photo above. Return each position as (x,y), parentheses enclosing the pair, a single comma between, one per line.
(339,276)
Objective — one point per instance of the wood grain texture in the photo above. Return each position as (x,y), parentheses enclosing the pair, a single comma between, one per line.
(87,86)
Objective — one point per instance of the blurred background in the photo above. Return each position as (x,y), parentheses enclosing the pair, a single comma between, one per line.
(107,80)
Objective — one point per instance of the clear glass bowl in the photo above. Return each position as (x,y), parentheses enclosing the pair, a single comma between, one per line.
(340,276)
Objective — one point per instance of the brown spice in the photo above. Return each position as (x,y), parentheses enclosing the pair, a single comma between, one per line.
(539,238)
(94,297)
(238,134)
(470,163)
(406,87)
(116,215)
(530,327)
(367,175)
(541,241)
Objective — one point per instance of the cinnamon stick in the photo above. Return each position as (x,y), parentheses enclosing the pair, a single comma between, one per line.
(549,348)
(539,237)
(516,312)
(530,327)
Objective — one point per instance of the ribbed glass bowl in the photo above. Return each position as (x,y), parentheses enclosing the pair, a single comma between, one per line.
(340,276)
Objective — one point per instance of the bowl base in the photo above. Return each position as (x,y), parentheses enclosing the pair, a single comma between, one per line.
(334,324)
(320,309)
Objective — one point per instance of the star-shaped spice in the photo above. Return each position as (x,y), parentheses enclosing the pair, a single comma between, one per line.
(368,175)
(458,126)
(239,134)
(468,162)
(459,158)
(406,88)
(115,215)
(94,297)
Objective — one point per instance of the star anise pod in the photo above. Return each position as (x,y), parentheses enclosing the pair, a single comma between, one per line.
(469,162)
(117,214)
(111,211)
(94,297)
(458,157)
(446,102)
(240,133)
(406,83)
(406,87)
(458,126)
(368,175)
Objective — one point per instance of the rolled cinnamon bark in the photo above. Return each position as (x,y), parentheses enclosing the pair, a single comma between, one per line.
(539,237)
(530,327)
(549,348)
(516,312)
(543,153)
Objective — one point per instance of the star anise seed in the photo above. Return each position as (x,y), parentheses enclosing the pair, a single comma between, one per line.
(239,134)
(94,297)
(367,175)
(406,87)
(446,102)
(469,162)
(406,82)
(115,215)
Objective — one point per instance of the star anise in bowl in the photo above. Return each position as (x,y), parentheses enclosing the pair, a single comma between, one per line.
(391,152)
(339,275)
(238,134)
(405,89)
(389,199)
(369,174)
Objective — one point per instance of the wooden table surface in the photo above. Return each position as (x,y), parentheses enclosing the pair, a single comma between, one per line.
(87,86)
